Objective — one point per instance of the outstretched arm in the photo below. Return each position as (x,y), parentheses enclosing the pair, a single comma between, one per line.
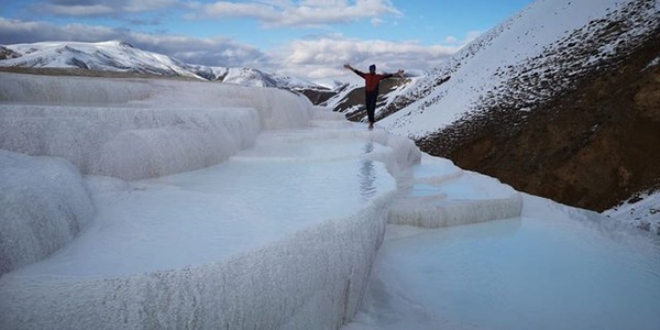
(357,72)
(390,75)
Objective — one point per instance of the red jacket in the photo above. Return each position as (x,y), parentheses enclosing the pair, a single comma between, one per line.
(371,80)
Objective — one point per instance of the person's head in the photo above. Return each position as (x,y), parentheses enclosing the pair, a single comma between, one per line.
(372,68)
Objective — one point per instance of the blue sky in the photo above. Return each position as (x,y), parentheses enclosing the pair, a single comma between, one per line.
(307,38)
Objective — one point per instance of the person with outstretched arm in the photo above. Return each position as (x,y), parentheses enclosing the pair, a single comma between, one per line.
(371,81)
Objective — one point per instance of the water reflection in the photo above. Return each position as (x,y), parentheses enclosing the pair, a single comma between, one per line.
(367,174)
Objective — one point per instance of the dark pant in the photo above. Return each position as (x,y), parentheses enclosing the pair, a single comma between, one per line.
(370,99)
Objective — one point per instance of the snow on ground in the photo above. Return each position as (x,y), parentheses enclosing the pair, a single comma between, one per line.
(284,230)
(643,212)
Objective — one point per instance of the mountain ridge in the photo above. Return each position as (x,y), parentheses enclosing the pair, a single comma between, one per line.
(121,57)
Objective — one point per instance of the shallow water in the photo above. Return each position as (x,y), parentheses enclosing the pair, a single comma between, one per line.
(213,214)
(523,273)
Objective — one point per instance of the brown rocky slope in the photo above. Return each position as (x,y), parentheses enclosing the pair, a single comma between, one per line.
(592,145)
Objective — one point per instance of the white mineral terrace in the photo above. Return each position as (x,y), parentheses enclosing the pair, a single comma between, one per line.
(140,204)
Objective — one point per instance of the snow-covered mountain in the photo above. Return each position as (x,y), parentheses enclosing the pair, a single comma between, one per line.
(117,56)
(529,58)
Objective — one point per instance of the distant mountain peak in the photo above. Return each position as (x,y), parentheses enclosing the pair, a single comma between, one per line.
(121,56)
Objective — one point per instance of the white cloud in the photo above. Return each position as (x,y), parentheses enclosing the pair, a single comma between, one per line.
(470,36)
(231,9)
(95,8)
(219,51)
(376,21)
(302,13)
(324,56)
(17,31)
(316,57)
(150,5)
(79,10)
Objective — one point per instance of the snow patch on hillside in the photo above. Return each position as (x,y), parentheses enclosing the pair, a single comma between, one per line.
(642,211)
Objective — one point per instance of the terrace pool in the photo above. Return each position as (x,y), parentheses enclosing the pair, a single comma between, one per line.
(552,268)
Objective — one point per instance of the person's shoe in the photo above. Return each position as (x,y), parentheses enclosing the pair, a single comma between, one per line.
(371,126)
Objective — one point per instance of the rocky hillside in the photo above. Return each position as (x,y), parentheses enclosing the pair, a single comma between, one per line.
(591,146)
(569,126)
